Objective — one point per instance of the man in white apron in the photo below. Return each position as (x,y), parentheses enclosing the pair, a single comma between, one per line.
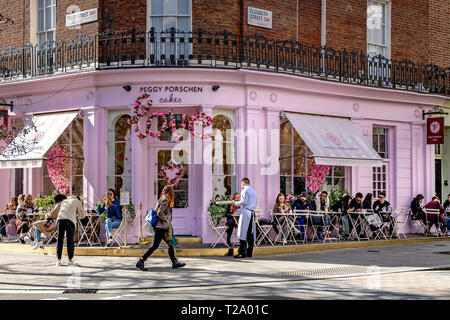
(246,227)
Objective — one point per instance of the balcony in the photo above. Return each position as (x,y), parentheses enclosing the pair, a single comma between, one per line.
(202,49)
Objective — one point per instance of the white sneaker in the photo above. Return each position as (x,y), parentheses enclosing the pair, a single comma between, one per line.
(34,243)
(38,244)
(58,263)
(71,263)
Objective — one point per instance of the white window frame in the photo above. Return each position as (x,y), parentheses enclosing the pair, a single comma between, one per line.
(45,31)
(386,162)
(386,46)
(113,117)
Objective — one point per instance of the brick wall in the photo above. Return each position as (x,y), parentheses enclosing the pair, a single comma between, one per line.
(17,34)
(409,31)
(119,15)
(346,24)
(439,32)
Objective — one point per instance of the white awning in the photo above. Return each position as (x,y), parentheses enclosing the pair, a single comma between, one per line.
(334,141)
(49,128)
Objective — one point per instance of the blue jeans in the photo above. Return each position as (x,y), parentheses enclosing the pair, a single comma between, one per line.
(37,234)
(447,222)
(111,223)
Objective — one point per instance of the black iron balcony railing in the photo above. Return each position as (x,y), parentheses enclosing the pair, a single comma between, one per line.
(174,48)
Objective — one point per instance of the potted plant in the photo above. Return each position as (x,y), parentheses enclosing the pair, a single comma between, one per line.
(336,194)
(45,203)
(217,211)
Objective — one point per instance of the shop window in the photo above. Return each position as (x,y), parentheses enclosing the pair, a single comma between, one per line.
(73,141)
(295,165)
(381,144)
(46,20)
(223,166)
(119,153)
(167,134)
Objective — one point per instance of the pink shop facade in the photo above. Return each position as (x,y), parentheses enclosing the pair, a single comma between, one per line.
(248,107)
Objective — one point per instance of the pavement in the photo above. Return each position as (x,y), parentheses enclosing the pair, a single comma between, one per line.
(411,271)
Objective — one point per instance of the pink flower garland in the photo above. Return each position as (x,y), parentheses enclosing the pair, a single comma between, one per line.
(172,172)
(141,110)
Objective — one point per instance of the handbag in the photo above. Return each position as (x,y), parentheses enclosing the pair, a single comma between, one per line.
(152,218)
(174,240)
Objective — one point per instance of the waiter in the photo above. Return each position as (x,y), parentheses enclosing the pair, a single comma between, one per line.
(246,226)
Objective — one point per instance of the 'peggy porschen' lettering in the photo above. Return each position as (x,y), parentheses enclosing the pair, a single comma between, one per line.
(172,91)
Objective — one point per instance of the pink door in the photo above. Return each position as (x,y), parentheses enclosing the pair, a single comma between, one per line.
(183,215)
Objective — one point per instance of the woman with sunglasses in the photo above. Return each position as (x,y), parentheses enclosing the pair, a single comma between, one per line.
(111,204)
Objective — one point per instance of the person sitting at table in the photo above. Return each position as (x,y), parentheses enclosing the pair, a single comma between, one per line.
(434,218)
(383,208)
(11,229)
(282,206)
(302,203)
(345,221)
(22,222)
(367,203)
(354,209)
(417,212)
(48,225)
(113,209)
(322,204)
(8,215)
(231,220)
(447,203)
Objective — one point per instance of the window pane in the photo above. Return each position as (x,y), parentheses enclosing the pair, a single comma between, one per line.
(183,6)
(41,4)
(77,185)
(299,185)
(286,185)
(119,183)
(48,18)
(157,23)
(184,24)
(77,162)
(157,7)
(169,22)
(122,129)
(285,133)
(224,185)
(48,3)
(40,20)
(170,7)
(48,186)
(339,171)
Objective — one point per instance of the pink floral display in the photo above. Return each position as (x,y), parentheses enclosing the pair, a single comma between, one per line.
(317,177)
(172,172)
(58,167)
(142,112)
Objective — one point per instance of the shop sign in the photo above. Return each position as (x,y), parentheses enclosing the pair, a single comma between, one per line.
(173,94)
(77,18)
(435,130)
(124,198)
(259,17)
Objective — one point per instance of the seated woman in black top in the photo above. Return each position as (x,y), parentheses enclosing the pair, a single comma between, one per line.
(231,221)
(417,212)
(447,203)
(367,203)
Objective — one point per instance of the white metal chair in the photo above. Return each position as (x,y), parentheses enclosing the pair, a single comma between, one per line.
(318,216)
(436,222)
(400,219)
(376,226)
(118,234)
(219,230)
(263,231)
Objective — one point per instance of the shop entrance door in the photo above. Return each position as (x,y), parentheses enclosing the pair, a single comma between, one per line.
(182,213)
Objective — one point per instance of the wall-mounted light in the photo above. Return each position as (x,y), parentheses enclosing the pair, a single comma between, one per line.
(215,87)
(127,88)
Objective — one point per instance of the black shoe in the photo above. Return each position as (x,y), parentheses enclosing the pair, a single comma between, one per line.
(22,241)
(240,256)
(229,243)
(177,264)
(140,265)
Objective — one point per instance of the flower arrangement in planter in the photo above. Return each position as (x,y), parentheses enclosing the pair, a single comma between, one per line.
(218,211)
(336,194)
(291,198)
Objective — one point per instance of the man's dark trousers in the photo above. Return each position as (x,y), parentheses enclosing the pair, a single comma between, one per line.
(243,250)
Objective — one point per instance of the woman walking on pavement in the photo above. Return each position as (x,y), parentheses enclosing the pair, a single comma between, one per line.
(163,229)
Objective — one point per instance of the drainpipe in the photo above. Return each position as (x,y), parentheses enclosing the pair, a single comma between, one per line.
(297,21)
(323,35)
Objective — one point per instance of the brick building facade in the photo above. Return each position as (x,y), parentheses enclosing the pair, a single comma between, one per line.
(418,28)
